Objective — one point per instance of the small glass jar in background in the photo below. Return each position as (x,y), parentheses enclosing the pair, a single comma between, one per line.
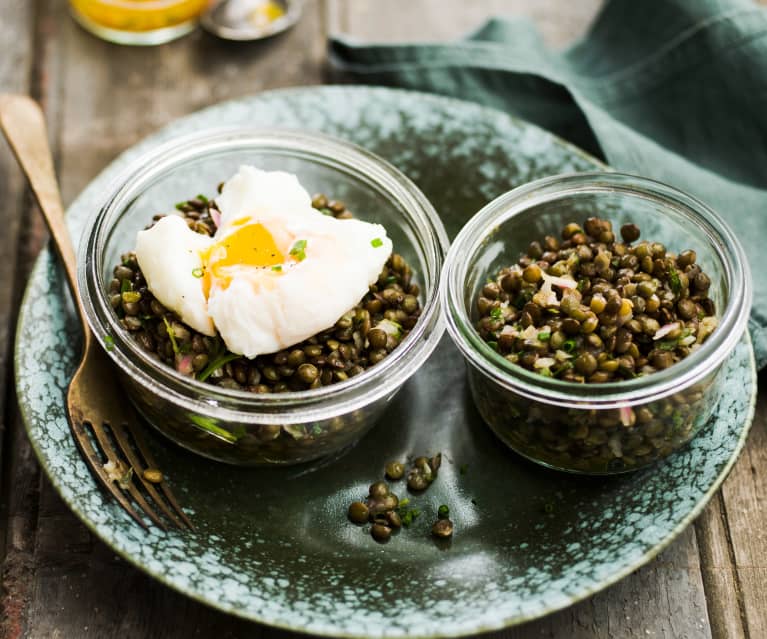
(138,22)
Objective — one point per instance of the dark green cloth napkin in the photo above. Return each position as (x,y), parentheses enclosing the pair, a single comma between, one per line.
(674,90)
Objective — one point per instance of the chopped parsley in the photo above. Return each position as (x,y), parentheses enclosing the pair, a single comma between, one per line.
(376,242)
(197,272)
(299,250)
(217,363)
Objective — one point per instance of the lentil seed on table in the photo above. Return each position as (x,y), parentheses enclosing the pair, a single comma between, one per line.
(361,338)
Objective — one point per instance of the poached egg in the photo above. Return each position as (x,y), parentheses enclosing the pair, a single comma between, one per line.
(276,272)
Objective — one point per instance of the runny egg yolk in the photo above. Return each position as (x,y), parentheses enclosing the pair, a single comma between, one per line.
(250,245)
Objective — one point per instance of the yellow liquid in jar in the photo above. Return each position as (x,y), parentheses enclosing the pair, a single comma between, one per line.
(139,15)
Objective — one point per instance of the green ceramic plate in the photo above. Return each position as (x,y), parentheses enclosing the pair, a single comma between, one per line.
(274,545)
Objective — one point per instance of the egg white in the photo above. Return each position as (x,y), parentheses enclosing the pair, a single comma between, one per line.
(169,254)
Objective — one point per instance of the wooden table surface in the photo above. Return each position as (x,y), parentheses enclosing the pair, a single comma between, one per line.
(57,579)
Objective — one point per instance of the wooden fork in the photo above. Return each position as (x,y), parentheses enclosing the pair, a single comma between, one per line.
(103,422)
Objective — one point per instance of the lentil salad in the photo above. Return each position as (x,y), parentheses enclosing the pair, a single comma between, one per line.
(590,308)
(361,338)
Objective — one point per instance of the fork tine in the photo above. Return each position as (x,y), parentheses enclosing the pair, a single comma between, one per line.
(149,458)
(119,434)
(94,463)
(106,446)
(141,500)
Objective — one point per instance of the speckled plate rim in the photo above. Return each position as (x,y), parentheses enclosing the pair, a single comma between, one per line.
(501,623)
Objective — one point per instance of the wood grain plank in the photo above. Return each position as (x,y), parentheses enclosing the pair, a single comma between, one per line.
(719,575)
(438,20)
(19,479)
(744,496)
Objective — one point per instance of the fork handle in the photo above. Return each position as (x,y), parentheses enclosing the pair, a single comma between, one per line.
(23,123)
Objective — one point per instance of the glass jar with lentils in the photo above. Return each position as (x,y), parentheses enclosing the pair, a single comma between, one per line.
(592,306)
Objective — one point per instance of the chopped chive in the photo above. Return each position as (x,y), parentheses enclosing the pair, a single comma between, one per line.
(208,424)
(298,250)
(202,198)
(545,372)
(215,365)
(544,337)
(327,212)
(126,286)
(376,242)
(496,313)
(569,345)
(404,502)
(391,279)
(493,345)
(548,508)
(565,366)
(180,205)
(197,272)
(443,511)
(277,268)
(316,429)
(171,335)
(109,342)
(676,283)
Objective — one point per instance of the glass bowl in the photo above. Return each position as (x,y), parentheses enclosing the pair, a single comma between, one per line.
(234,425)
(594,428)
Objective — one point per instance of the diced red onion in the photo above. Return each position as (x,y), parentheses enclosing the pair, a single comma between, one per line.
(665,330)
(184,365)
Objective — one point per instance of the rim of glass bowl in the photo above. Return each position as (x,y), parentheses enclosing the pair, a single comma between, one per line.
(472,237)
(428,234)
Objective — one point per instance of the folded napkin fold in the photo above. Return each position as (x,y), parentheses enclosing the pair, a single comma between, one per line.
(674,90)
